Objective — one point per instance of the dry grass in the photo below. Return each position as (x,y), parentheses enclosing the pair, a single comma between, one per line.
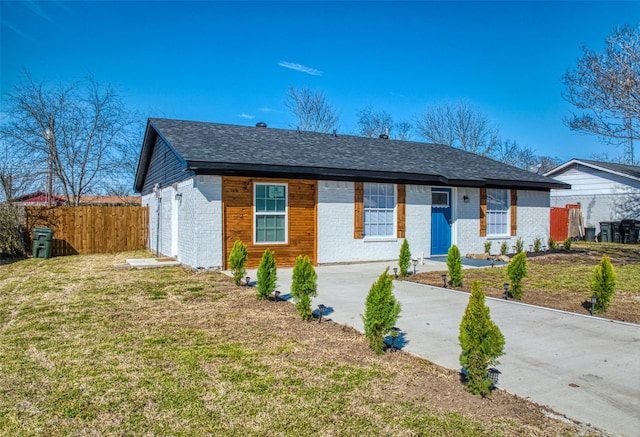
(562,280)
(92,350)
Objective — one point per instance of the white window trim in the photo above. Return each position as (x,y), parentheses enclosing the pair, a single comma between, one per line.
(286,214)
(393,237)
(508,233)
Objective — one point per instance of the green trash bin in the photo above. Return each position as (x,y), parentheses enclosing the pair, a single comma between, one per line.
(42,243)
(605,232)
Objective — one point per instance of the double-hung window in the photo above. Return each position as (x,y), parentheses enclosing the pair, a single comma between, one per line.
(497,211)
(379,210)
(270,202)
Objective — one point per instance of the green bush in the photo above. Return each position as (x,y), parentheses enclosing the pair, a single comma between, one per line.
(567,244)
(381,312)
(267,275)
(304,286)
(238,261)
(504,248)
(517,271)
(481,342)
(454,262)
(552,244)
(10,239)
(537,244)
(519,245)
(487,247)
(603,284)
(405,258)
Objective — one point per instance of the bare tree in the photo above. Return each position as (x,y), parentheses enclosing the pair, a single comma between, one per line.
(81,130)
(311,109)
(605,88)
(373,123)
(459,125)
(403,130)
(18,174)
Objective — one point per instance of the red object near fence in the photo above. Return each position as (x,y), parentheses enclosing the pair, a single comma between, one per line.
(562,220)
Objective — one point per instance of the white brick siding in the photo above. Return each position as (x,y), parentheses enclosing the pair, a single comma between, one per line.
(532,221)
(199,206)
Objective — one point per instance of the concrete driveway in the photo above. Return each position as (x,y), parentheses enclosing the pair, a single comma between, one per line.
(583,367)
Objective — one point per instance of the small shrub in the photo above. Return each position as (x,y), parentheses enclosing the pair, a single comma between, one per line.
(454,262)
(481,342)
(537,244)
(404,259)
(267,275)
(487,247)
(304,286)
(552,244)
(517,270)
(519,245)
(10,238)
(567,244)
(381,312)
(603,284)
(504,248)
(238,261)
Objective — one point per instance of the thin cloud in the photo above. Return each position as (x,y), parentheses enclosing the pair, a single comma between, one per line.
(301,68)
(247,116)
(265,109)
(38,10)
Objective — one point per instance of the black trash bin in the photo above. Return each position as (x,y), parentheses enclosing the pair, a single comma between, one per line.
(628,232)
(605,232)
(42,243)
(590,234)
(615,232)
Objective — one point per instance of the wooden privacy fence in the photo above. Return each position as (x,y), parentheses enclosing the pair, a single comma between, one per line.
(89,229)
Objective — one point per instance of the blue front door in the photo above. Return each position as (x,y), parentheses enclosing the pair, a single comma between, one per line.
(440,221)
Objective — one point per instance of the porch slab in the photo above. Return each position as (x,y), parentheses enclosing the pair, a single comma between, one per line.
(152,263)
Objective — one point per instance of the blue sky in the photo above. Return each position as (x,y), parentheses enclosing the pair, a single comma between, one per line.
(232,62)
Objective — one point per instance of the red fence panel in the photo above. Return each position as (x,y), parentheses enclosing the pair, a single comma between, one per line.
(559,223)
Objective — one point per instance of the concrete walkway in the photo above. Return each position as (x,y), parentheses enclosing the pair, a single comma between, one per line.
(584,367)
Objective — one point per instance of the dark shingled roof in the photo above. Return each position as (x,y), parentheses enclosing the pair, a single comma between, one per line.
(212,148)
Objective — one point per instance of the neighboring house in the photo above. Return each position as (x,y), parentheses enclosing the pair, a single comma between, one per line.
(605,191)
(40,198)
(332,197)
(37,198)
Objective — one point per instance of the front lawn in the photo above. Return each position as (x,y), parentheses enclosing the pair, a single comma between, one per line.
(562,280)
(86,349)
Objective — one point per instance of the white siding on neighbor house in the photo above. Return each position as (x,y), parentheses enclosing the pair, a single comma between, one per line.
(199,214)
(603,196)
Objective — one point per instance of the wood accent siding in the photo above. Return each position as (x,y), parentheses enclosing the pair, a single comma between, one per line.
(358,210)
(514,212)
(483,212)
(401,210)
(165,167)
(238,220)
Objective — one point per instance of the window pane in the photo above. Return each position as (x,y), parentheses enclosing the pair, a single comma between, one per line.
(379,210)
(497,211)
